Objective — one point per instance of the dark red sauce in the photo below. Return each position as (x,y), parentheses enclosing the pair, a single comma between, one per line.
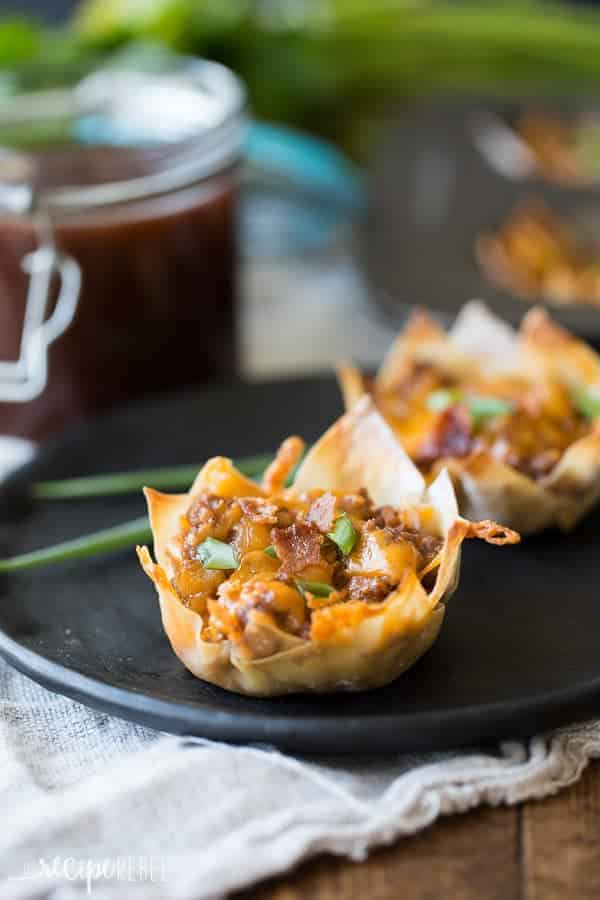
(157,304)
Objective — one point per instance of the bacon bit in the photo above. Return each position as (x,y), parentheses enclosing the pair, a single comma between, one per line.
(297,547)
(451,436)
(359,504)
(205,509)
(207,515)
(287,457)
(260,511)
(492,533)
(385,517)
(369,589)
(322,512)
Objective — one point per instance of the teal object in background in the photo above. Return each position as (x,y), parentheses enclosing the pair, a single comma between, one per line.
(310,163)
(299,192)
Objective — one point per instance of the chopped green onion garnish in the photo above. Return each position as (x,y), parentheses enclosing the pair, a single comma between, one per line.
(440,400)
(344,534)
(316,588)
(482,408)
(214,554)
(587,401)
(271,551)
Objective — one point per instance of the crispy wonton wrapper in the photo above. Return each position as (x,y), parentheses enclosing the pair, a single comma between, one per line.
(353,645)
(480,342)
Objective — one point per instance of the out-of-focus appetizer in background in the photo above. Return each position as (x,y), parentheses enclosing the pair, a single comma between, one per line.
(567,151)
(513,416)
(540,255)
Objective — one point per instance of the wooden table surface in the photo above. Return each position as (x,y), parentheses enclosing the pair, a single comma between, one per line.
(545,850)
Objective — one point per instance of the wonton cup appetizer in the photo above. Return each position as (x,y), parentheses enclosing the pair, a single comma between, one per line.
(336,583)
(511,415)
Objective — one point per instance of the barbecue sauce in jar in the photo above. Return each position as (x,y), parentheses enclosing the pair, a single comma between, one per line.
(152,229)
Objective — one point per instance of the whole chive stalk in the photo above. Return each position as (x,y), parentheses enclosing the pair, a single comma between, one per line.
(587,401)
(214,554)
(108,540)
(344,534)
(316,588)
(130,482)
(123,536)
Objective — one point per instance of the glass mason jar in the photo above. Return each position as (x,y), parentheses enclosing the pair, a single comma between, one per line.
(117,241)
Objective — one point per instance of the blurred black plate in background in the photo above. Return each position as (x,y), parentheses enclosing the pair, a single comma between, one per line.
(432,193)
(518,653)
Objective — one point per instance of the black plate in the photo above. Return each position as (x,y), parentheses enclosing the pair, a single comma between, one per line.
(432,193)
(519,651)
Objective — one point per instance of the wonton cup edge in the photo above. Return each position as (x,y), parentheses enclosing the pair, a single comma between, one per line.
(486,487)
(361,645)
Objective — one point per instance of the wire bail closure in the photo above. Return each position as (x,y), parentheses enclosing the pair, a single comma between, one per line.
(26,378)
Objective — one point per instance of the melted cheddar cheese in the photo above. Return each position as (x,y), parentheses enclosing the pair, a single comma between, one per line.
(538,424)
(286,562)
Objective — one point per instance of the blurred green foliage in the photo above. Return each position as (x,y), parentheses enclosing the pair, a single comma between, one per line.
(20,40)
(330,65)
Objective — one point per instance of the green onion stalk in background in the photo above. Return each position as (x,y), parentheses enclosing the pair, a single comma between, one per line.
(120,537)
(130,482)
(326,65)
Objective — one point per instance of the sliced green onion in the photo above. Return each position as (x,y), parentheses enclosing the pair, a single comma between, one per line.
(440,400)
(108,540)
(344,534)
(316,588)
(214,554)
(130,482)
(484,407)
(587,401)
(271,551)
(480,407)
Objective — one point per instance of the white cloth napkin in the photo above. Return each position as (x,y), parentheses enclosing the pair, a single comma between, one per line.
(92,804)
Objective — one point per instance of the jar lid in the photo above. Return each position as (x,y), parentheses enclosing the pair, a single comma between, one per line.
(119,136)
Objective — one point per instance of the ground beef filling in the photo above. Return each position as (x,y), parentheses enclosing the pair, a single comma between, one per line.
(532,444)
(531,438)
(287,563)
